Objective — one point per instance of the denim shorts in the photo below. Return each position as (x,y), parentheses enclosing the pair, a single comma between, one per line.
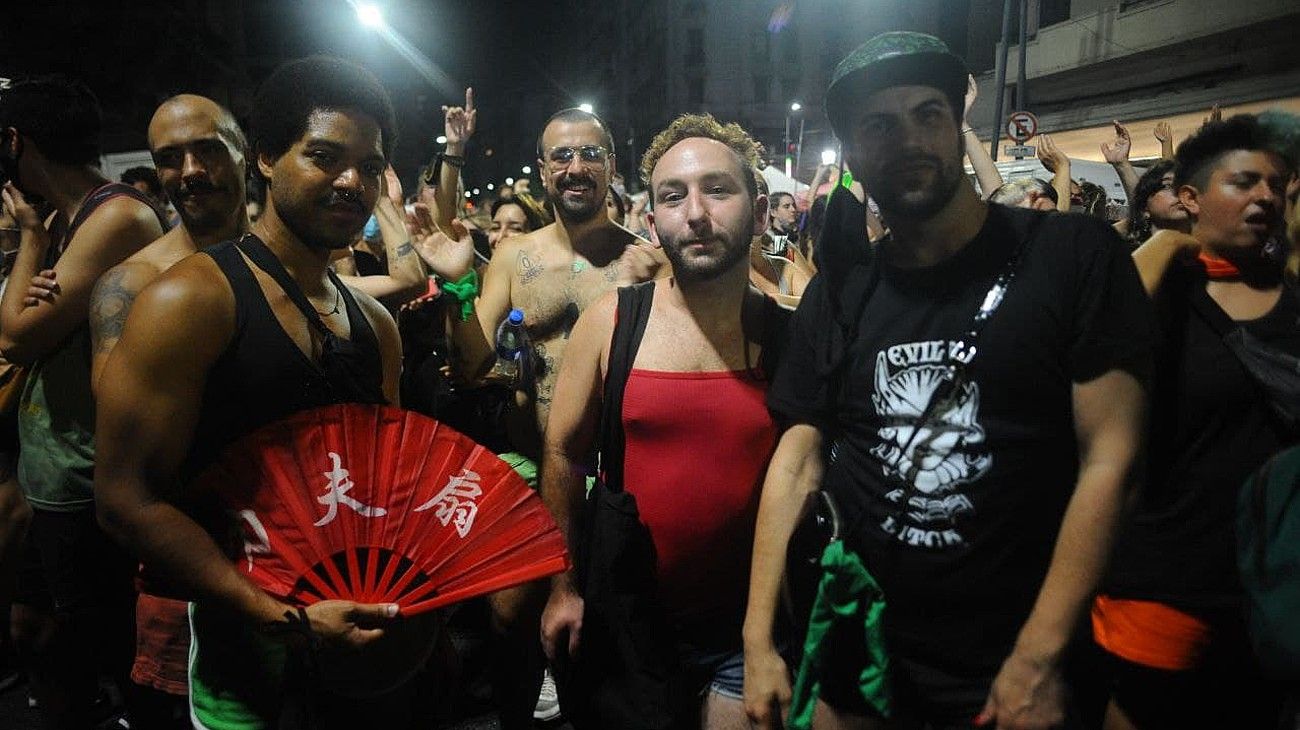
(723,670)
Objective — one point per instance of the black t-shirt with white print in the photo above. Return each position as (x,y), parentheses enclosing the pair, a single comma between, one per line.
(962,562)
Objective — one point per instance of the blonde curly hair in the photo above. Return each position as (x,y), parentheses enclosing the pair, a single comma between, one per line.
(704,125)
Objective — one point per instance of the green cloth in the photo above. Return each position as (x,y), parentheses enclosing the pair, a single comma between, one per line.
(847,592)
(465,290)
(236,674)
(56,428)
(523,466)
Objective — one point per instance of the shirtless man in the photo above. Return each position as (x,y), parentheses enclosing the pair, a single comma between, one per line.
(552,274)
(178,387)
(74,597)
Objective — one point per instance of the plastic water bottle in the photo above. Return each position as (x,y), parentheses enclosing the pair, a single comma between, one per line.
(512,347)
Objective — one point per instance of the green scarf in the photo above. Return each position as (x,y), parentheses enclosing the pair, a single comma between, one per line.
(847,592)
(465,289)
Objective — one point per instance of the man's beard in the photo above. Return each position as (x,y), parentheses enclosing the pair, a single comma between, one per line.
(578,211)
(298,217)
(907,203)
(696,270)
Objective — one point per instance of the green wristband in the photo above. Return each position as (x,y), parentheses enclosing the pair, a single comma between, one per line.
(465,290)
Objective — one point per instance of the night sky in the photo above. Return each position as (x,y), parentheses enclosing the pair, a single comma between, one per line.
(134,54)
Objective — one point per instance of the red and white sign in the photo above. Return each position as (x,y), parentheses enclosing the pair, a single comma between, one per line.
(1022,126)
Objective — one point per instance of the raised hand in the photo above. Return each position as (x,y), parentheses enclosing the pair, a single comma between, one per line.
(449,256)
(1117,150)
(1048,154)
(19,209)
(972,90)
(1216,115)
(1163,132)
(392,187)
(459,122)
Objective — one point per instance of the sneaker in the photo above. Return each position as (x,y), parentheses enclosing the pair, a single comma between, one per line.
(548,700)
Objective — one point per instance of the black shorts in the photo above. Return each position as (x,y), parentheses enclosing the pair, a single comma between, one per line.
(924,693)
(1228,688)
(70,566)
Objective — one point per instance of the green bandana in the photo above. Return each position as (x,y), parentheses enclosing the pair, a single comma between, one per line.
(847,592)
(464,289)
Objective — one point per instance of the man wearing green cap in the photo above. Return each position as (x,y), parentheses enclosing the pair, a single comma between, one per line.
(979,373)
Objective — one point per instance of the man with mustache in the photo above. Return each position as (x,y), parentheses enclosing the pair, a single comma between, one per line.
(553,275)
(710,340)
(72,610)
(980,373)
(247,332)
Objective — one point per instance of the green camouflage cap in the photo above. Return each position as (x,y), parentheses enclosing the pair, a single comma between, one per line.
(895,58)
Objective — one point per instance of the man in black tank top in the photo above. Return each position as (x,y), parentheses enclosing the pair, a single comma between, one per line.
(245,334)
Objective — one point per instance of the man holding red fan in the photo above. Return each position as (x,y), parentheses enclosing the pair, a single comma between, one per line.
(246,333)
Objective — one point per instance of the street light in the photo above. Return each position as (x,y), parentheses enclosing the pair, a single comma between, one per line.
(510,181)
(794,107)
(526,169)
(828,157)
(467,193)
(586,107)
(476,191)
(490,187)
(370,16)
(441,139)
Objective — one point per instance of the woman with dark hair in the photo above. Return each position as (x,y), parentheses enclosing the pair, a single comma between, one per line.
(1155,205)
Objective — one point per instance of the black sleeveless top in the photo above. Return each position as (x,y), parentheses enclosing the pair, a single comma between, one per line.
(262,376)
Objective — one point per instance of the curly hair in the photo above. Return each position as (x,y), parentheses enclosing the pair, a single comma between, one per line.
(749,152)
(296,89)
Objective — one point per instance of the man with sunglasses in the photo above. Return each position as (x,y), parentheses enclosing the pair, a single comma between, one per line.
(980,372)
(552,274)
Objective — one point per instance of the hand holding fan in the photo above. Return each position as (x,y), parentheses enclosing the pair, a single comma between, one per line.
(378,505)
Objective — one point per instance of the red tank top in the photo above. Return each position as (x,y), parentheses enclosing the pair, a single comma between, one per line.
(697,448)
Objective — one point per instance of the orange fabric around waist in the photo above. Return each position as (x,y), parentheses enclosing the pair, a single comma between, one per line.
(1149,633)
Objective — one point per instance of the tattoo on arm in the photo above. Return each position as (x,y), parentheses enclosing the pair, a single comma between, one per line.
(405,249)
(110,301)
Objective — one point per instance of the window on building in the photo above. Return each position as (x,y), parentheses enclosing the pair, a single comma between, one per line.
(695,91)
(1051,12)
(762,89)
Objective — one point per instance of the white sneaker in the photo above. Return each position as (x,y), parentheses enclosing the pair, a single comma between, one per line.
(548,700)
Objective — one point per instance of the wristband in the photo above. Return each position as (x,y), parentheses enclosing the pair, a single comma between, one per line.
(464,289)
(453,160)
(967,130)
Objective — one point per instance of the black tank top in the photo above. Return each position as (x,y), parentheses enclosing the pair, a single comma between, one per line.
(262,376)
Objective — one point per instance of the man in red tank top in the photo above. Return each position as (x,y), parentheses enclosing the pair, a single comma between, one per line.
(697,435)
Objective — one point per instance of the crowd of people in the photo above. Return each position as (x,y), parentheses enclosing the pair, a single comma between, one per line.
(900,449)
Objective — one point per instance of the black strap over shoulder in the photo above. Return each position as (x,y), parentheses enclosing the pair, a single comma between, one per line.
(633,313)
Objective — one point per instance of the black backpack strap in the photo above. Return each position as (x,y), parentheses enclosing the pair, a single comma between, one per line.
(633,313)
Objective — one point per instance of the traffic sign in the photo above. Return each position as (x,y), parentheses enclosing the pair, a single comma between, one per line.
(1019,151)
(1022,126)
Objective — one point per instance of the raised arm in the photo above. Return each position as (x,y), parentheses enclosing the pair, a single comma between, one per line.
(570,438)
(405,276)
(459,124)
(118,229)
(1116,152)
(986,172)
(1055,161)
(793,475)
(1108,420)
(1165,134)
(1154,257)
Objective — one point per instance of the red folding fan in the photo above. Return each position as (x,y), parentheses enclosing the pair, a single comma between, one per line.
(379,505)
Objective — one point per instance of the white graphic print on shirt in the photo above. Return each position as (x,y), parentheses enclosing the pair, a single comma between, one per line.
(936,458)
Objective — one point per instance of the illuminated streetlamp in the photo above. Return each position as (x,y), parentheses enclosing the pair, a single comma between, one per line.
(490,187)
(526,169)
(510,181)
(370,16)
(441,139)
(828,157)
(794,107)
(587,107)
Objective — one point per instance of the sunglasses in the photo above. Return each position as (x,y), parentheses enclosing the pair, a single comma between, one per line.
(589,155)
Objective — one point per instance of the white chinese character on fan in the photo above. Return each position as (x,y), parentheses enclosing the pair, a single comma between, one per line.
(263,544)
(336,493)
(456,501)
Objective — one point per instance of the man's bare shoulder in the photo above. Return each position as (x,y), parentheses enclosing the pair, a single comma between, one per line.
(120,216)
(195,285)
(162,253)
(376,313)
